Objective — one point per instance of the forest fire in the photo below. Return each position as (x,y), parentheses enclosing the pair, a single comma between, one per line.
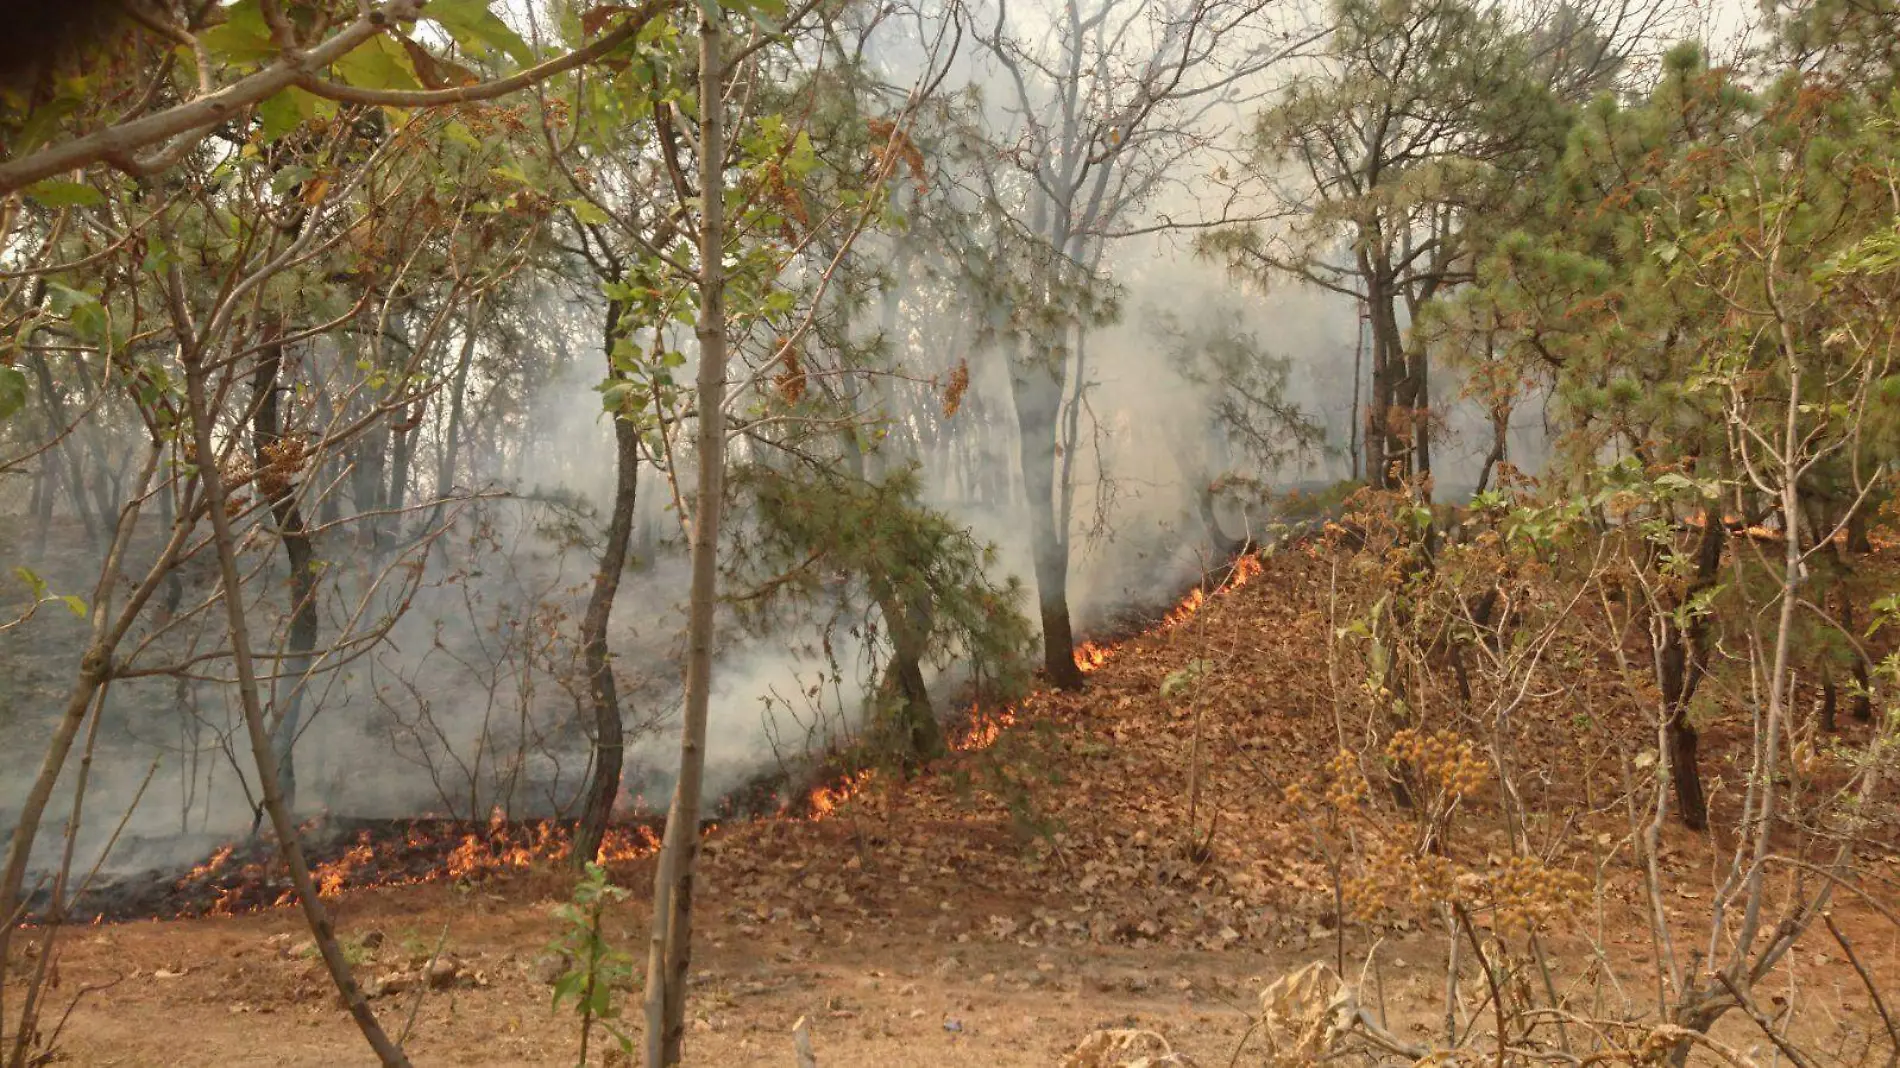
(349,855)
(985,728)
(1090,655)
(824,800)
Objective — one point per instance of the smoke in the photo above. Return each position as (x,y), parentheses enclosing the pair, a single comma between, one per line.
(473,698)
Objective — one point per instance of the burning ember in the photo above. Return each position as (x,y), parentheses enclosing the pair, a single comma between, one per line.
(348,855)
(1089,656)
(985,728)
(351,855)
(824,800)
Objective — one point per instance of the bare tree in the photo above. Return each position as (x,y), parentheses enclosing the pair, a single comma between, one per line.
(1102,109)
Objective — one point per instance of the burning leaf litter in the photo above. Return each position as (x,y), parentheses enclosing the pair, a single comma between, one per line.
(350,855)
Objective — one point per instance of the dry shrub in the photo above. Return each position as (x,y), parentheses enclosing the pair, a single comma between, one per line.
(1125,1048)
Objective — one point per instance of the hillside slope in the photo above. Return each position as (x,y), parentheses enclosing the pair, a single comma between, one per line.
(1130,856)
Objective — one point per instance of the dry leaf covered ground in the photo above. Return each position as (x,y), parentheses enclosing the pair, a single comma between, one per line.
(1121,860)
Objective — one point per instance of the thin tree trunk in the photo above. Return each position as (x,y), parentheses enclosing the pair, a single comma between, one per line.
(670,948)
(458,401)
(66,450)
(289,848)
(1681,669)
(1358,375)
(299,556)
(609,739)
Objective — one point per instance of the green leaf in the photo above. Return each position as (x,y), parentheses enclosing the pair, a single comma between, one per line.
(290,109)
(512,173)
(243,37)
(378,63)
(478,30)
(74,605)
(461,135)
(586,211)
(12,391)
(54,193)
(41,121)
(33,582)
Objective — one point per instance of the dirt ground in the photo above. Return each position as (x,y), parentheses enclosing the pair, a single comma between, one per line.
(994,911)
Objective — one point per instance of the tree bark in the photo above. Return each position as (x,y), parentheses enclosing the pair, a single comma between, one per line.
(1680,669)
(1037,393)
(609,738)
(913,728)
(670,948)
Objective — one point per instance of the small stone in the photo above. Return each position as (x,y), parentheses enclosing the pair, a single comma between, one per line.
(444,971)
(549,967)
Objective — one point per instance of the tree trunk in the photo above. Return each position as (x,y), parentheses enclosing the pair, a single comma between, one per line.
(1682,663)
(1418,408)
(609,741)
(913,729)
(670,948)
(1037,393)
(458,404)
(299,556)
(1387,449)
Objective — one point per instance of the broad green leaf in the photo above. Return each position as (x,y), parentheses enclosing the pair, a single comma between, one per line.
(242,38)
(54,193)
(33,581)
(586,211)
(461,135)
(74,605)
(289,109)
(41,122)
(12,391)
(512,173)
(478,30)
(378,63)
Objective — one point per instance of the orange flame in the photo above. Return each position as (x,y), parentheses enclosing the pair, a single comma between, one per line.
(1089,656)
(824,800)
(984,729)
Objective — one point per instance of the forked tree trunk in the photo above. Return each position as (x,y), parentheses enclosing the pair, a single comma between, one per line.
(670,948)
(609,740)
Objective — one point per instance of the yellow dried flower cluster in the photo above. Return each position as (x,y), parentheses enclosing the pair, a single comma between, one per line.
(1338,784)
(283,460)
(1442,758)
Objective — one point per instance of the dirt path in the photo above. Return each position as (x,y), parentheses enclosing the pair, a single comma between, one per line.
(876,992)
